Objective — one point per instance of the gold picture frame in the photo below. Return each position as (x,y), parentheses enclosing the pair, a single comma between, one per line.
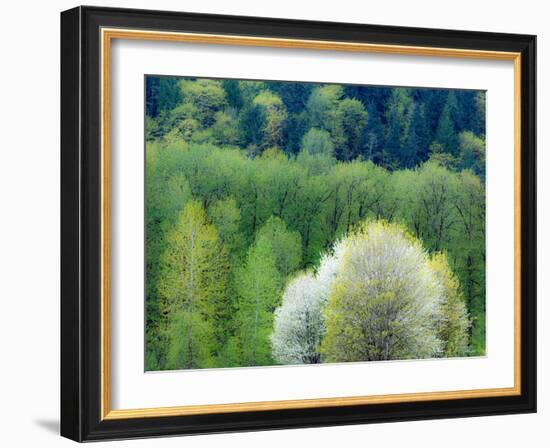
(109,30)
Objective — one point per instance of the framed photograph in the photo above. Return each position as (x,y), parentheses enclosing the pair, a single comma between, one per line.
(273,223)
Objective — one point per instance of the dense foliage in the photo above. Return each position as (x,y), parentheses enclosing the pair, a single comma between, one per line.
(249,186)
(388,302)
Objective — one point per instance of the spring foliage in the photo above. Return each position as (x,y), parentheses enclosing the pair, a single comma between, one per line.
(299,321)
(386,301)
(259,285)
(263,197)
(379,296)
(192,288)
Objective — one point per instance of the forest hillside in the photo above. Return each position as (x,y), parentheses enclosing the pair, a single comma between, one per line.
(253,189)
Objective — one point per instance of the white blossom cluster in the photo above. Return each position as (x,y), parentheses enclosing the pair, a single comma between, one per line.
(299,321)
(377,296)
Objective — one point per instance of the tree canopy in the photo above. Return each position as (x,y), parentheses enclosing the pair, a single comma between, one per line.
(301,223)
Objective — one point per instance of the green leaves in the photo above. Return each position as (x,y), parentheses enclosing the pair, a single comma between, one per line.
(377,295)
(208,96)
(192,288)
(249,183)
(275,116)
(286,245)
(258,285)
(446,133)
(351,120)
(318,141)
(454,323)
(389,300)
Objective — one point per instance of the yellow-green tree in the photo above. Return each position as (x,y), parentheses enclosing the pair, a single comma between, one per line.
(317,141)
(275,116)
(207,95)
(472,152)
(385,301)
(285,244)
(259,287)
(302,166)
(352,118)
(166,194)
(454,322)
(192,286)
(226,216)
(322,105)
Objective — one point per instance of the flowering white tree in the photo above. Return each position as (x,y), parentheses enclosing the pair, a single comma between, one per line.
(377,296)
(329,265)
(299,321)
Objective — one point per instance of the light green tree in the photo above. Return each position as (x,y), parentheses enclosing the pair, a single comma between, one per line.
(322,105)
(206,95)
(468,246)
(285,244)
(259,289)
(279,177)
(192,287)
(454,323)
(275,116)
(165,195)
(226,216)
(472,152)
(428,204)
(225,130)
(317,141)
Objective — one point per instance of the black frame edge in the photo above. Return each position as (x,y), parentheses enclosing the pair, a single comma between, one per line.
(529,222)
(80,217)
(71,384)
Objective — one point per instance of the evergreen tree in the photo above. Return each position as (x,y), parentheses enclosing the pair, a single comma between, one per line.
(434,101)
(465,104)
(252,123)
(373,135)
(233,93)
(446,134)
(293,94)
(478,122)
(296,127)
(161,93)
(398,119)
(417,144)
